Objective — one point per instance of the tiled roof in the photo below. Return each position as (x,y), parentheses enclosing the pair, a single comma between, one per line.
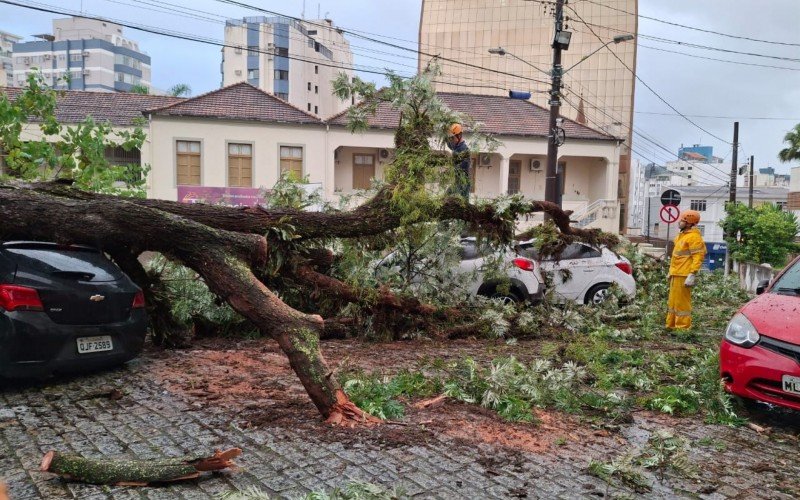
(499,114)
(240,101)
(118,108)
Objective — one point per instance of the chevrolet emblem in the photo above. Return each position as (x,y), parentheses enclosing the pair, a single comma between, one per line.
(97,298)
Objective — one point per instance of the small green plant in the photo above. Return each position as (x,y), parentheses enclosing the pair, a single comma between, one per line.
(379,396)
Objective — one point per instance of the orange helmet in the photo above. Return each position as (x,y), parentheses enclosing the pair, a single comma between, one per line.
(456,129)
(691,217)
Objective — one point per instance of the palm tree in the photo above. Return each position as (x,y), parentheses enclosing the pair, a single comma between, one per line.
(180,90)
(793,151)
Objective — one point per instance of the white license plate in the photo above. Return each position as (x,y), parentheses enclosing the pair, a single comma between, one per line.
(94,344)
(791,384)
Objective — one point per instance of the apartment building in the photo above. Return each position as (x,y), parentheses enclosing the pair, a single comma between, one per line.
(294,60)
(7,41)
(83,54)
(602,86)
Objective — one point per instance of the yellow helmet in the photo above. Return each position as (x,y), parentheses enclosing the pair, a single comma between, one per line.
(691,216)
(456,129)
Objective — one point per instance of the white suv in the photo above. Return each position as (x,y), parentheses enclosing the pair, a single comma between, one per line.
(590,272)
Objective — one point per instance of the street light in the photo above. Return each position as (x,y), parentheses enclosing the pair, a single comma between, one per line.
(615,40)
(556,136)
(500,51)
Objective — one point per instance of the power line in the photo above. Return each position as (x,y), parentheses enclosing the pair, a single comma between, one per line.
(719,60)
(694,28)
(183,11)
(722,117)
(654,142)
(639,79)
(389,44)
(687,44)
(670,155)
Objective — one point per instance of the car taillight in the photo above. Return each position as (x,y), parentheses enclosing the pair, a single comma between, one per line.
(13,297)
(138,300)
(524,264)
(625,267)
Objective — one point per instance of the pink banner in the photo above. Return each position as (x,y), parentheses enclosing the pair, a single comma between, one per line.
(231,196)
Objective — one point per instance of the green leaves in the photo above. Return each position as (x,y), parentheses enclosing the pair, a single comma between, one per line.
(792,152)
(764,234)
(58,151)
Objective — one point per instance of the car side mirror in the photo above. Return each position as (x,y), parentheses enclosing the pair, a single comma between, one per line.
(762,287)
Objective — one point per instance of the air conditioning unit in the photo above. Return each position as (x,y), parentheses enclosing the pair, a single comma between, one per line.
(27,60)
(237,50)
(485,160)
(535,165)
(238,72)
(47,57)
(86,53)
(87,72)
(383,153)
(270,47)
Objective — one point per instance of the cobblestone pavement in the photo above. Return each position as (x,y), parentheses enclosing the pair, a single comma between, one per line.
(289,462)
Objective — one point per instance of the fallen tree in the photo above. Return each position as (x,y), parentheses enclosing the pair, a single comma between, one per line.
(245,255)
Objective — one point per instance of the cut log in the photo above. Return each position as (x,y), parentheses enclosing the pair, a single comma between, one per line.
(135,472)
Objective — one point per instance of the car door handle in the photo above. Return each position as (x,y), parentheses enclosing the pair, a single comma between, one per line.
(588,270)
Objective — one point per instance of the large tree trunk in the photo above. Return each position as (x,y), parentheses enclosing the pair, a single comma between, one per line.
(223,258)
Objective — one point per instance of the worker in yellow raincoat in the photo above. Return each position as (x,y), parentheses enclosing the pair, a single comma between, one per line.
(687,257)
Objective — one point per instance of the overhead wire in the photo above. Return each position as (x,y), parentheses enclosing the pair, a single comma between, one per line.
(655,143)
(703,30)
(640,80)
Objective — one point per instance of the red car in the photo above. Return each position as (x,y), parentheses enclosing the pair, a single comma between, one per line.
(760,355)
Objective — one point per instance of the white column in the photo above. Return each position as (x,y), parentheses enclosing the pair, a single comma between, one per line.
(503,186)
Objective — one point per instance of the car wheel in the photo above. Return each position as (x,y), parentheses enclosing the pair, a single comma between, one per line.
(506,298)
(596,295)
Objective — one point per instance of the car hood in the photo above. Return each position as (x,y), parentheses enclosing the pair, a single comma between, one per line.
(775,315)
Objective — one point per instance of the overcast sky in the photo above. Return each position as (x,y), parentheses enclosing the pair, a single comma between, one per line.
(696,87)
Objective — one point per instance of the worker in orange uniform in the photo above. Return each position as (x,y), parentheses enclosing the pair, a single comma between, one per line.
(687,257)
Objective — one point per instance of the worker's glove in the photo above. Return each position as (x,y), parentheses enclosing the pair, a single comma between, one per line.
(689,280)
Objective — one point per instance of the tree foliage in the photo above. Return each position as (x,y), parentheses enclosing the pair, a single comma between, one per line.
(58,151)
(792,151)
(764,234)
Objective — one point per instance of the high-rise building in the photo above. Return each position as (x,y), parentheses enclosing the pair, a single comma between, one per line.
(7,41)
(92,53)
(294,60)
(597,92)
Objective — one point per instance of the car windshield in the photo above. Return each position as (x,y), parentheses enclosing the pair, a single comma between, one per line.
(54,260)
(789,283)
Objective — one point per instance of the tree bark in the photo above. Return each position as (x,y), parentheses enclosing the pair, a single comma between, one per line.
(135,472)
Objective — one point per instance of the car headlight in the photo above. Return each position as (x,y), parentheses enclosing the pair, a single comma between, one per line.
(741,332)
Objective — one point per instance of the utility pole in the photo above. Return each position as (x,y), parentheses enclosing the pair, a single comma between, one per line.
(734,162)
(750,194)
(732,189)
(555,104)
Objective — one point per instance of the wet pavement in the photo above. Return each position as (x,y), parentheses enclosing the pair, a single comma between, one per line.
(288,462)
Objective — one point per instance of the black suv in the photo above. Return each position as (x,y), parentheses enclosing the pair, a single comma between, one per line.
(65,308)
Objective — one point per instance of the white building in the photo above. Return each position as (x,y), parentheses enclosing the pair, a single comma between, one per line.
(710,202)
(93,54)
(766,177)
(294,60)
(7,41)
